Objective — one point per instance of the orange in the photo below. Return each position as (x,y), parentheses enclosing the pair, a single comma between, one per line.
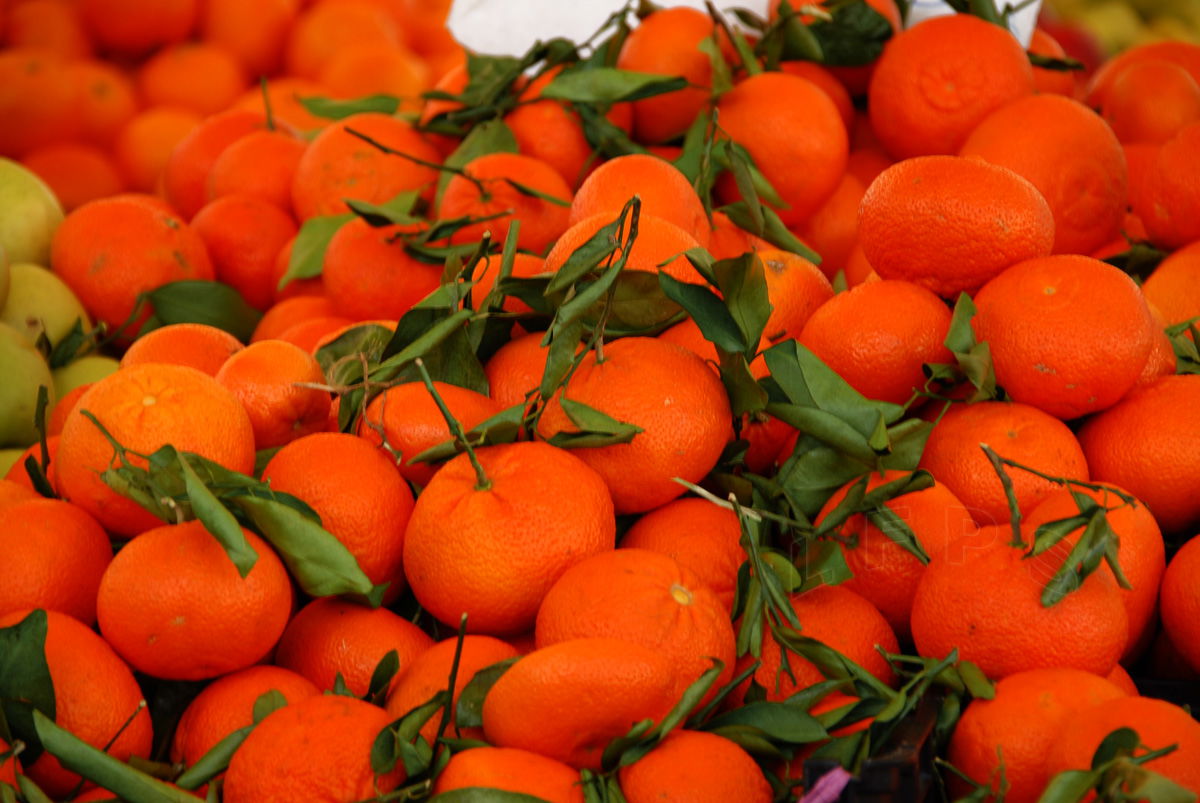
(324,29)
(9,765)
(665,192)
(174,606)
(516,369)
(832,230)
(196,345)
(14,493)
(1181,603)
(1185,54)
(582,694)
(136,27)
(488,272)
(885,573)
(37,98)
(660,245)
(227,705)
(1168,203)
(647,598)
(368,274)
(453,82)
(339,165)
(312,286)
(19,473)
(1158,724)
(795,135)
(1145,445)
(698,535)
(144,145)
(937,80)
(185,174)
(1018,727)
(405,421)
(284,93)
(491,185)
(896,328)
(1065,150)
(265,377)
(429,672)
(288,312)
(358,494)
(796,289)
(671,394)
(111,250)
(76,172)
(949,224)
(62,553)
(697,766)
(1068,334)
(199,76)
(727,241)
(1150,100)
(254,33)
(145,407)
(377,68)
(96,698)
(1161,361)
(105,99)
(1056,82)
(828,83)
(243,235)
(260,164)
(1015,431)
(47,24)
(1174,286)
(331,637)
(467,548)
(310,333)
(512,770)
(317,748)
(1120,678)
(983,598)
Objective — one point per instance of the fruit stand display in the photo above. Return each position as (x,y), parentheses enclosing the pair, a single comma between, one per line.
(731,405)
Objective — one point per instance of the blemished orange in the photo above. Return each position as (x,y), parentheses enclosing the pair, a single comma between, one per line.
(145,407)
(885,573)
(1158,724)
(288,312)
(75,172)
(671,394)
(199,76)
(227,704)
(1018,727)
(466,549)
(1174,286)
(796,289)
(111,250)
(1149,101)
(667,42)
(62,553)
(331,637)
(144,144)
(698,535)
(96,699)
(358,494)
(429,672)
(260,164)
(322,30)
(1068,83)
(174,606)
(1068,334)
(38,100)
(696,766)
(582,693)
(1168,203)
(317,748)
(949,223)
(937,80)
(136,27)
(894,328)
(243,235)
(983,598)
(196,345)
(339,165)
(185,175)
(369,275)
(105,98)
(664,190)
(794,134)
(376,68)
(1065,150)
(647,598)
(511,770)
(660,245)
(408,420)
(1181,603)
(265,377)
(47,24)
(498,184)
(1150,446)
(1014,431)
(1141,552)
(516,369)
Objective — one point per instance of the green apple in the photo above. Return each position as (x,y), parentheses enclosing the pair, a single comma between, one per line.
(39,301)
(24,370)
(3,277)
(91,368)
(30,215)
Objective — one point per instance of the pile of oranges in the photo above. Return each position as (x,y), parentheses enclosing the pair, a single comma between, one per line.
(670,417)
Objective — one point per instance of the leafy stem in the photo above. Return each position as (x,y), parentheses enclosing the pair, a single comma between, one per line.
(482,483)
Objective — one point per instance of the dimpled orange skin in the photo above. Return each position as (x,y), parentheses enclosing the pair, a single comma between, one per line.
(696,766)
(511,770)
(494,553)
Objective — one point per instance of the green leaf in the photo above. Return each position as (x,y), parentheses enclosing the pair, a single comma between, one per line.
(782,722)
(711,315)
(397,211)
(1056,64)
(743,285)
(503,427)
(469,711)
(214,762)
(395,742)
(382,677)
(266,704)
(490,136)
(341,359)
(976,682)
(854,37)
(25,682)
(608,85)
(207,302)
(217,519)
(308,251)
(638,306)
(797,39)
(332,109)
(596,428)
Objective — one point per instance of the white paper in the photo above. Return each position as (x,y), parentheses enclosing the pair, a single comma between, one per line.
(1020,23)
